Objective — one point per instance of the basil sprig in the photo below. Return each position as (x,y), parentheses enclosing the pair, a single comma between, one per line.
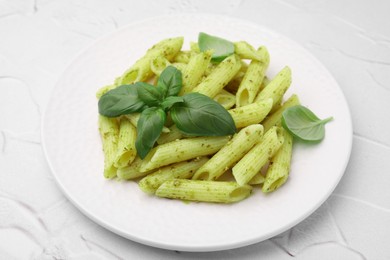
(193,114)
(302,123)
(222,48)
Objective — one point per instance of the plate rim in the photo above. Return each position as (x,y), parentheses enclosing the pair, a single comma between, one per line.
(208,248)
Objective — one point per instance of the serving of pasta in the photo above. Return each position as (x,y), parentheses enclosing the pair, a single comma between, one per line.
(191,167)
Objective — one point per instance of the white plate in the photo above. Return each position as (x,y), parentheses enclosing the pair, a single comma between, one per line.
(74,152)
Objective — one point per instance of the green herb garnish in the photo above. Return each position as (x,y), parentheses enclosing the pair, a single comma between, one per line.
(304,124)
(222,48)
(193,113)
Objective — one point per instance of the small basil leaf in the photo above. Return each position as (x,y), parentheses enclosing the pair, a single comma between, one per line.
(200,115)
(170,101)
(120,101)
(149,127)
(149,94)
(222,48)
(170,81)
(302,123)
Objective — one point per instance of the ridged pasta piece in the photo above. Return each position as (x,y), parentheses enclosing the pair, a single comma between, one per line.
(257,179)
(258,156)
(279,166)
(158,64)
(231,153)
(182,170)
(181,150)
(251,83)
(182,57)
(277,87)
(141,70)
(126,151)
(251,114)
(194,71)
(226,99)
(219,77)
(132,171)
(205,191)
(275,119)
(109,132)
(246,51)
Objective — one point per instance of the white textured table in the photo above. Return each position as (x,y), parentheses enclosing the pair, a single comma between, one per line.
(38,38)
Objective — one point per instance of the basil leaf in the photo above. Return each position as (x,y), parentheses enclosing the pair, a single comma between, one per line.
(170,81)
(120,101)
(149,127)
(222,48)
(304,124)
(170,101)
(149,94)
(200,115)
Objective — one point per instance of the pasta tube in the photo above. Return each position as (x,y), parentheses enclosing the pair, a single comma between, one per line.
(182,170)
(279,168)
(251,83)
(132,171)
(126,150)
(231,153)
(226,99)
(258,156)
(251,114)
(275,119)
(194,71)
(158,64)
(206,191)
(109,132)
(277,87)
(141,70)
(257,179)
(182,57)
(181,150)
(246,51)
(219,77)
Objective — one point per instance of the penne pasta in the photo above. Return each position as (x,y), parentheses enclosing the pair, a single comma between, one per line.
(181,150)
(246,51)
(132,171)
(219,77)
(182,57)
(194,71)
(206,191)
(229,154)
(126,151)
(226,99)
(141,70)
(251,114)
(109,132)
(258,156)
(279,168)
(277,87)
(182,170)
(158,64)
(251,83)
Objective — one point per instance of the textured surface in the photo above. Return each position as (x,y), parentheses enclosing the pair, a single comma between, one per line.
(39,38)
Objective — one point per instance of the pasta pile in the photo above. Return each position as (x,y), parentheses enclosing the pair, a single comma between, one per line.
(198,168)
